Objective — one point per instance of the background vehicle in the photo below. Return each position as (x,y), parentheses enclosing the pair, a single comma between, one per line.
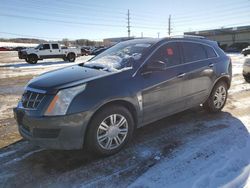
(246,70)
(85,51)
(48,50)
(5,49)
(246,51)
(100,103)
(237,47)
(98,51)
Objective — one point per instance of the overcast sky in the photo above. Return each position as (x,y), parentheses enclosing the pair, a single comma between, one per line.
(98,19)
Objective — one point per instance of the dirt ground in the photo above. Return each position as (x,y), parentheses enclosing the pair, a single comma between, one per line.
(24,165)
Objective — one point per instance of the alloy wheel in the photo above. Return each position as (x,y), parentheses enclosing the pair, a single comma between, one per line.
(112,131)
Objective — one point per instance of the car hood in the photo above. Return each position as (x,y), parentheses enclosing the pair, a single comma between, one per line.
(52,81)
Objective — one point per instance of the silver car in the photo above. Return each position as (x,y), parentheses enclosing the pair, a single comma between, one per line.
(246,70)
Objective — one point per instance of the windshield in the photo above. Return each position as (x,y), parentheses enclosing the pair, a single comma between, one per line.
(119,56)
(39,46)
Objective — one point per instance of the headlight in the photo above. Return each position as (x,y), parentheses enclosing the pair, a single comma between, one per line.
(60,103)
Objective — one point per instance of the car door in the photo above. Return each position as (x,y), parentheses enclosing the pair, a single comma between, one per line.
(162,90)
(56,52)
(199,70)
(45,51)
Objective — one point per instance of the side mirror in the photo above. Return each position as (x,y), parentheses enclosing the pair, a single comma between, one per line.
(155,66)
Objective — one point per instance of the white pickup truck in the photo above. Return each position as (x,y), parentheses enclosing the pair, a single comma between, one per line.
(48,50)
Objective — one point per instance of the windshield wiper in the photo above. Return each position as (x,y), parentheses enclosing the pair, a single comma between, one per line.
(92,67)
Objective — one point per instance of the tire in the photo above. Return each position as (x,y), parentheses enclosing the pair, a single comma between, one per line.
(101,125)
(32,59)
(71,57)
(247,78)
(218,97)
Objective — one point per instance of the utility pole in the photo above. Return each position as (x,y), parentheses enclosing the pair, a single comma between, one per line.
(158,34)
(169,25)
(141,34)
(128,24)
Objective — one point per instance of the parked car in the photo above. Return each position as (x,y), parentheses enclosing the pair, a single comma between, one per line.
(99,104)
(48,50)
(5,49)
(237,47)
(98,51)
(246,70)
(85,51)
(246,51)
(19,48)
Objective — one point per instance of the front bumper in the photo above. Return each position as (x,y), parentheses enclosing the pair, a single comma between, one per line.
(58,132)
(22,55)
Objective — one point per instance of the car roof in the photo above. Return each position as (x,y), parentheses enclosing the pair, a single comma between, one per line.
(175,38)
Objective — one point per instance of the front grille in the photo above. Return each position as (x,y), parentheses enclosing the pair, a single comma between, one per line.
(31,99)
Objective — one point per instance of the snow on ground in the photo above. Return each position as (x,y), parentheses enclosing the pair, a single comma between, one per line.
(205,162)
(21,68)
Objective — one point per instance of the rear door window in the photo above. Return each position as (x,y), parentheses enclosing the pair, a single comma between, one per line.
(169,54)
(193,52)
(55,46)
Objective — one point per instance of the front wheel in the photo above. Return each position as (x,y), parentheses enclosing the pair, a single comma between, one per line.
(110,130)
(71,57)
(218,97)
(32,59)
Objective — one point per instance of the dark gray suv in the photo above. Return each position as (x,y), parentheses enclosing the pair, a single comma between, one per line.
(98,104)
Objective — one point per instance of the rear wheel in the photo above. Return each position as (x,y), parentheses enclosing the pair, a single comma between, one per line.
(217,98)
(110,130)
(32,59)
(71,57)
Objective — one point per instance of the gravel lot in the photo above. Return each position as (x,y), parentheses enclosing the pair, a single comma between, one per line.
(189,149)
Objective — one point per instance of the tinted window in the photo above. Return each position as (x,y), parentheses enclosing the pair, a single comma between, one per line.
(46,46)
(55,46)
(193,52)
(210,51)
(169,54)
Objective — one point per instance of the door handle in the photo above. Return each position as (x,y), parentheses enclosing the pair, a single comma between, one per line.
(211,65)
(181,75)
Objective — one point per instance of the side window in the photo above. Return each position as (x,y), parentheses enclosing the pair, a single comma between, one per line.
(169,54)
(55,46)
(193,52)
(210,51)
(46,47)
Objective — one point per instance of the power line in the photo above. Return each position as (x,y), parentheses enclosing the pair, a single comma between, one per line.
(59,21)
(31,36)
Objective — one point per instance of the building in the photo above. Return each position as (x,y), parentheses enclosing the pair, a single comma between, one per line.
(112,41)
(226,36)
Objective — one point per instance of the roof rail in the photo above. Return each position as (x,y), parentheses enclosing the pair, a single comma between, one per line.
(189,36)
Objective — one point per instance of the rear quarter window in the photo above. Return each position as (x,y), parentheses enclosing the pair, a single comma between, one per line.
(210,51)
(193,52)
